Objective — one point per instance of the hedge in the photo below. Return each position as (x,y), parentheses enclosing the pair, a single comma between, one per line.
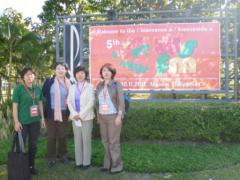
(211,122)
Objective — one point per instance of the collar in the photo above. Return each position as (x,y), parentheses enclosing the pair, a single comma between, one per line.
(110,83)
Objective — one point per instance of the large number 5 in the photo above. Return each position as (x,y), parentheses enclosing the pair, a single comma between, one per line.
(109,44)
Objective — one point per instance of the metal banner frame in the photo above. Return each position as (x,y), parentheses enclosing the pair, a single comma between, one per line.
(228,19)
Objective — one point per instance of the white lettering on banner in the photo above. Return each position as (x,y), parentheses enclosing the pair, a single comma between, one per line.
(179,84)
(112,42)
(133,84)
(99,31)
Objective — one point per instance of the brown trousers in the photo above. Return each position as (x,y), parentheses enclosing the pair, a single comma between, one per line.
(110,134)
(57,136)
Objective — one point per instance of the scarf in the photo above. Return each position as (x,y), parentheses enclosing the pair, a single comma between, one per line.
(57,98)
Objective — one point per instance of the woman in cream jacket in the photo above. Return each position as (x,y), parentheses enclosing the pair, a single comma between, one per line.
(81,106)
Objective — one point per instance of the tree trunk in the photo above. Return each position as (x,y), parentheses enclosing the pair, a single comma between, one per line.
(10,73)
(9,90)
(1,97)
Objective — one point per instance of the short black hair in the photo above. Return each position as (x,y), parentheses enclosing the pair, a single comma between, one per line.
(110,67)
(62,64)
(81,68)
(25,70)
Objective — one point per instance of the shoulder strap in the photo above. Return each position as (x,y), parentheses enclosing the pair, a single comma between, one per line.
(18,144)
(21,143)
(14,144)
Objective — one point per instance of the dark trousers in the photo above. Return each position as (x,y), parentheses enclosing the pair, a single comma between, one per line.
(31,131)
(57,136)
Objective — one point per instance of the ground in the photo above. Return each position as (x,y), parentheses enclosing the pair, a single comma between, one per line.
(68,172)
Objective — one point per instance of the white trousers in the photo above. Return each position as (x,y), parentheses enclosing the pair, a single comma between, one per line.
(82,142)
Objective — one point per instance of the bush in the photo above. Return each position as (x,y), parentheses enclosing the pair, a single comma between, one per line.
(212,122)
(6,120)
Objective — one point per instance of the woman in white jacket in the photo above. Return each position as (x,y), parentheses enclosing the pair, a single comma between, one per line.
(81,106)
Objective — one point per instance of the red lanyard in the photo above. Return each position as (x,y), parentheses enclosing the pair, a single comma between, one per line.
(31,94)
(80,90)
(104,93)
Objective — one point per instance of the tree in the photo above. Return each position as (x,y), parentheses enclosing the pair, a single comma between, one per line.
(21,45)
(53,8)
(13,33)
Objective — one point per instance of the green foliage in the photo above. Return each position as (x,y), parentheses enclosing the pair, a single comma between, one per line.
(172,122)
(6,120)
(53,8)
(182,122)
(22,46)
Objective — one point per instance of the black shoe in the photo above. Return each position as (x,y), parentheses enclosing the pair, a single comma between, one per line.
(115,172)
(33,170)
(103,169)
(86,167)
(65,160)
(58,157)
(51,164)
(78,166)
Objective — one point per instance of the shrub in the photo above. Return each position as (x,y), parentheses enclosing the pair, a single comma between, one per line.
(212,122)
(6,120)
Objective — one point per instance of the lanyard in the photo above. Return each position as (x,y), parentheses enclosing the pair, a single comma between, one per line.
(104,93)
(31,94)
(80,90)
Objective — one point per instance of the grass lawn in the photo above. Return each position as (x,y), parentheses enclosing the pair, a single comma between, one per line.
(146,161)
(67,172)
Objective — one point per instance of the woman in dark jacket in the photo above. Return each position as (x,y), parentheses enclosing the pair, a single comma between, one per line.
(55,91)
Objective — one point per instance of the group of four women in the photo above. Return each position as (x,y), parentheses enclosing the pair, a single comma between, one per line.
(60,101)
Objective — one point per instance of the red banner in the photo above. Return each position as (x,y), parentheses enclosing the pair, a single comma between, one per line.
(174,56)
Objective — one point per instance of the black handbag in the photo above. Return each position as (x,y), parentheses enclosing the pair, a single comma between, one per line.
(18,161)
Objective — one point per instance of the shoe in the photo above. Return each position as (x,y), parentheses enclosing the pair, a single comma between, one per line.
(103,169)
(33,170)
(58,157)
(86,167)
(51,164)
(115,172)
(65,160)
(78,166)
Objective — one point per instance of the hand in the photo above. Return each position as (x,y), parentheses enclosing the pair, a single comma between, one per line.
(76,117)
(43,124)
(118,120)
(18,126)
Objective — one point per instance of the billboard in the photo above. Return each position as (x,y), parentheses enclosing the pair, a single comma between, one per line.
(172,56)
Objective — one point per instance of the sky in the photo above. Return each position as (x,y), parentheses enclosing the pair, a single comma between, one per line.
(29,8)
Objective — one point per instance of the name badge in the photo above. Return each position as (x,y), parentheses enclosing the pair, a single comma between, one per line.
(34,111)
(105,108)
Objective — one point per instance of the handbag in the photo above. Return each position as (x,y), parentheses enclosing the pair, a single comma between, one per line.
(18,161)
